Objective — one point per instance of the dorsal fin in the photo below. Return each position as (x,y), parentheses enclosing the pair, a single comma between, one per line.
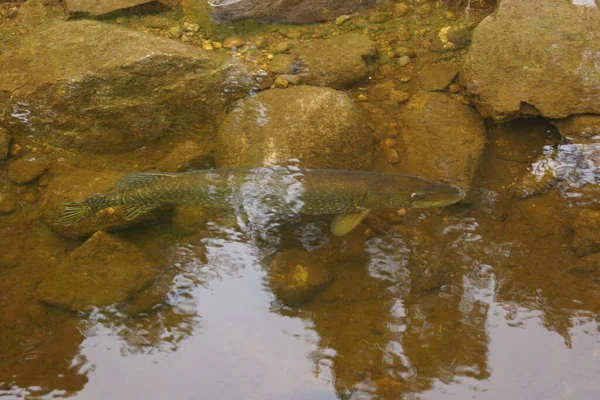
(141,179)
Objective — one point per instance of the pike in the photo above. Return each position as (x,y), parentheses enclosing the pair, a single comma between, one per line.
(351,195)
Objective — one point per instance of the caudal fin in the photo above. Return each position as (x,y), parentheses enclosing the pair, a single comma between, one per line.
(74,212)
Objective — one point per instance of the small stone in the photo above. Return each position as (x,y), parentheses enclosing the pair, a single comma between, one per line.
(454,88)
(436,77)
(401,51)
(207,45)
(387,144)
(362,97)
(391,155)
(185,38)
(281,47)
(405,79)
(404,61)
(25,170)
(379,17)
(16,150)
(270,56)
(281,82)
(342,19)
(233,41)
(399,96)
(191,27)
(4,143)
(174,32)
(282,64)
(449,15)
(401,212)
(292,79)
(8,203)
(401,9)
(403,34)
(381,91)
(217,45)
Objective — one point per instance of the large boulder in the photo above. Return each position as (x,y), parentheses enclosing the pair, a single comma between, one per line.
(296,11)
(105,270)
(321,127)
(97,87)
(442,139)
(100,7)
(580,128)
(536,57)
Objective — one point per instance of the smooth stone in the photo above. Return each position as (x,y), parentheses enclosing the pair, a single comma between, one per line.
(8,203)
(25,170)
(436,77)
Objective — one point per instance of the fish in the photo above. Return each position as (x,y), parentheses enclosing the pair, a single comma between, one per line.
(350,195)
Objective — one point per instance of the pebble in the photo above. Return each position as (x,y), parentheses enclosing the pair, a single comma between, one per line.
(449,15)
(454,88)
(342,19)
(387,144)
(380,91)
(185,38)
(379,17)
(4,143)
(217,45)
(405,79)
(399,96)
(362,97)
(8,204)
(281,82)
(404,61)
(191,27)
(403,34)
(174,32)
(401,51)
(401,9)
(281,47)
(16,150)
(391,155)
(25,170)
(207,45)
(233,41)
(293,79)
(401,212)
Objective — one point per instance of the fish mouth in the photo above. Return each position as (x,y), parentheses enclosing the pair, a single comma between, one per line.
(440,196)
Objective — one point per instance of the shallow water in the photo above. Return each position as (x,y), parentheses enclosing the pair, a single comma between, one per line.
(481,300)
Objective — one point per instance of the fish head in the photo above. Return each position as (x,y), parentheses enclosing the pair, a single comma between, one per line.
(424,194)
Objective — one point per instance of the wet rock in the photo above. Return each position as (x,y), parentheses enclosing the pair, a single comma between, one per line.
(4,143)
(337,62)
(117,90)
(103,271)
(438,76)
(402,51)
(587,267)
(96,7)
(399,96)
(296,276)
(8,203)
(452,37)
(297,11)
(283,64)
(381,91)
(587,234)
(535,57)
(188,220)
(321,127)
(25,170)
(403,61)
(579,128)
(75,185)
(186,156)
(443,140)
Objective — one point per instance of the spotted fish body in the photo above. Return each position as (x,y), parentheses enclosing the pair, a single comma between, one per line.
(349,194)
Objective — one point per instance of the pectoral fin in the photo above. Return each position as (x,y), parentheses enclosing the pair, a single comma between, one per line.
(343,224)
(134,211)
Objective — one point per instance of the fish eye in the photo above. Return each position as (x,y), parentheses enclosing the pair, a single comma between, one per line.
(416,196)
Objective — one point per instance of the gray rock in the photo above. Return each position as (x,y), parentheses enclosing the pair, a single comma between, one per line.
(4,143)
(579,128)
(438,76)
(535,57)
(98,87)
(297,11)
(587,234)
(337,62)
(443,140)
(321,127)
(75,185)
(99,7)
(25,170)
(103,271)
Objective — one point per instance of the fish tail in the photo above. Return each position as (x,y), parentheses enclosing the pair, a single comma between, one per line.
(76,211)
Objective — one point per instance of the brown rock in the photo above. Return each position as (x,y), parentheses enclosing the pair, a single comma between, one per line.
(579,128)
(25,170)
(587,234)
(186,156)
(8,203)
(399,96)
(4,143)
(103,271)
(96,7)
(438,76)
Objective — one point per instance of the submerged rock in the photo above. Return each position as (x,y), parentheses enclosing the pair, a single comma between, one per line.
(579,128)
(4,143)
(337,62)
(321,127)
(443,140)
(74,186)
(587,233)
(186,156)
(297,11)
(96,7)
(536,57)
(25,170)
(297,276)
(98,87)
(438,76)
(103,271)
(8,203)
